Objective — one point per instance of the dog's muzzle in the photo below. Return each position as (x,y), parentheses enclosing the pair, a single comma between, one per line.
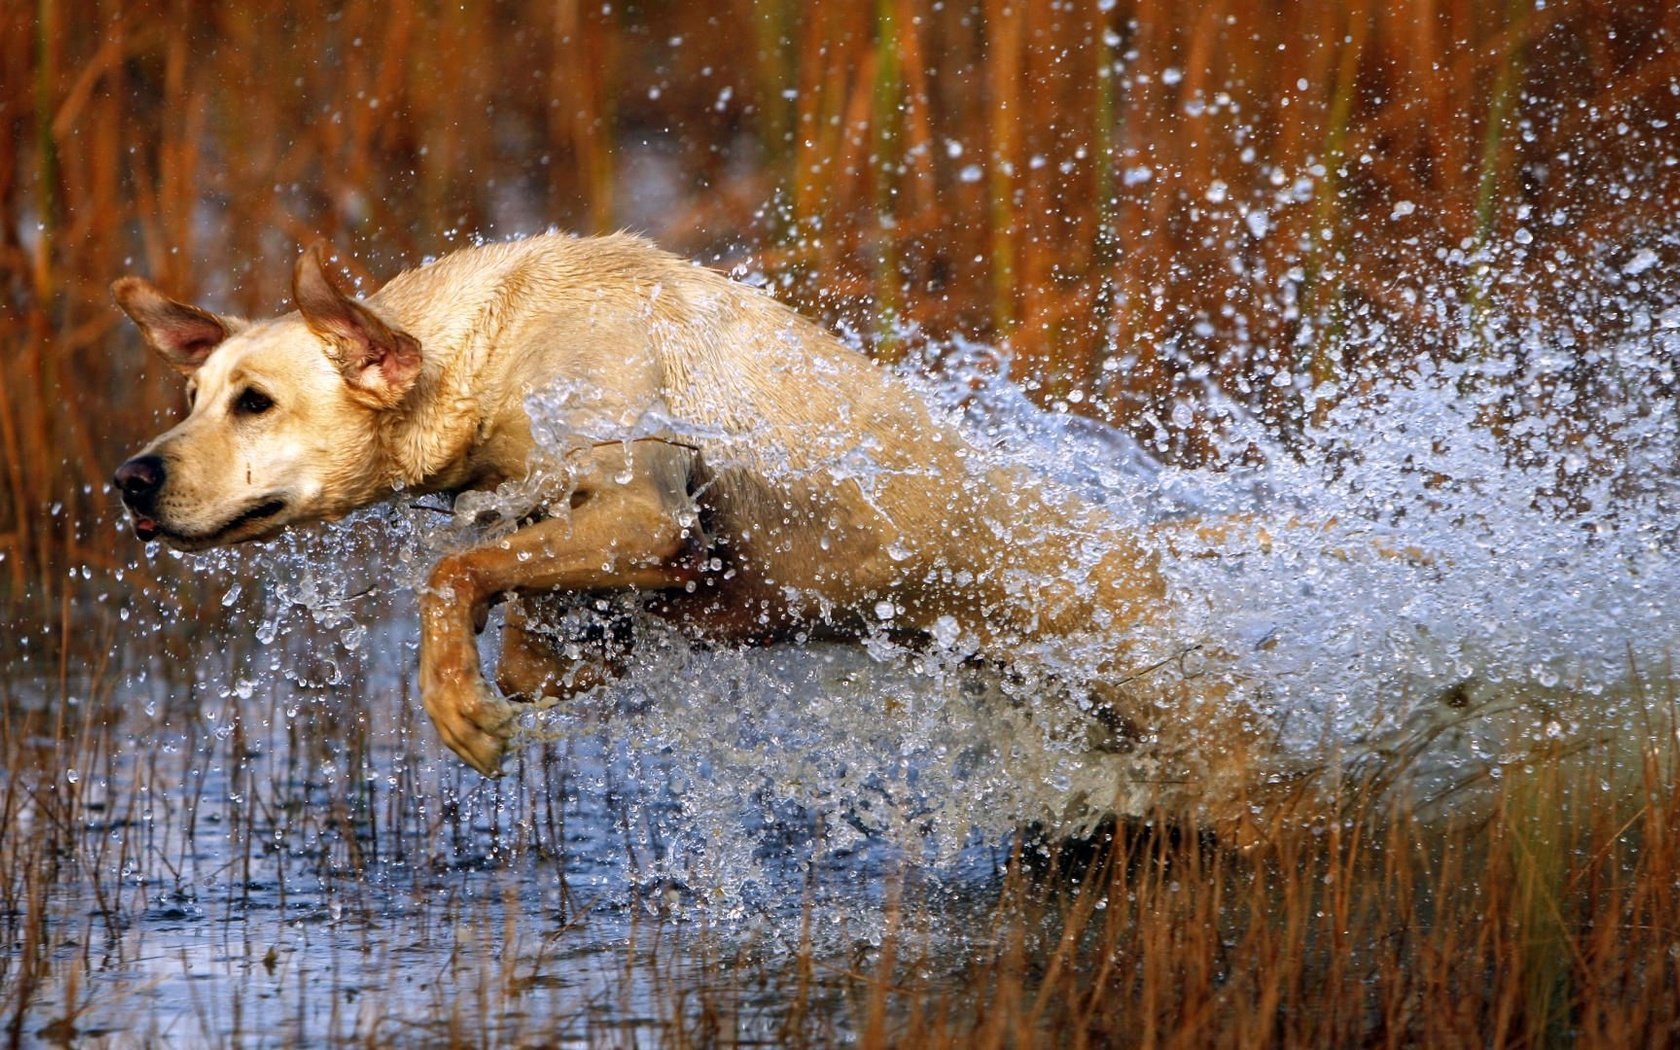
(139,481)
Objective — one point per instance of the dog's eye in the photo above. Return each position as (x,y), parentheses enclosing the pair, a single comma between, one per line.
(252,402)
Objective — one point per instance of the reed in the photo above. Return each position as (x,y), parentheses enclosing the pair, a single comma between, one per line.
(1127,205)
(1111,188)
(1376,931)
(1543,913)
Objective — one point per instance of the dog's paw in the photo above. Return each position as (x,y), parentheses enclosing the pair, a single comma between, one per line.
(472,719)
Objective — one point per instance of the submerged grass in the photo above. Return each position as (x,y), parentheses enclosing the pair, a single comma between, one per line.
(320,884)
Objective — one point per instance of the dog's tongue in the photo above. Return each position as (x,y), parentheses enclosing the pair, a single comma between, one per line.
(145,528)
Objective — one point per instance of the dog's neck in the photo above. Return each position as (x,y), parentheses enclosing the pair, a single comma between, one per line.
(429,441)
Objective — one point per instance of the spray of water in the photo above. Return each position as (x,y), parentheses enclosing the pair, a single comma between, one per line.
(1436,573)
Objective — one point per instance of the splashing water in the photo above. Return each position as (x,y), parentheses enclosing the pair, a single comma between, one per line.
(1434,577)
(1442,572)
(1536,568)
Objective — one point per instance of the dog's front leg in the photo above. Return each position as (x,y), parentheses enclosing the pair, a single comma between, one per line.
(624,531)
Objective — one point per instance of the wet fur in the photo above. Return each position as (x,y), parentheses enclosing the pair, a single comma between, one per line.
(805,486)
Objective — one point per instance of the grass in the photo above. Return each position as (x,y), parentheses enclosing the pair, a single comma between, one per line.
(1109,190)
(1144,200)
(323,860)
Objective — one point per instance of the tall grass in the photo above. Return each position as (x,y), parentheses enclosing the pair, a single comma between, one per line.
(1376,932)
(1114,185)
(1139,197)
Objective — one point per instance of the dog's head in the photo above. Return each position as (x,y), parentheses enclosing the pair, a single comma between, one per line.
(284,414)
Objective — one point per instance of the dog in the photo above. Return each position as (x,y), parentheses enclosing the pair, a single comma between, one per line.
(723,457)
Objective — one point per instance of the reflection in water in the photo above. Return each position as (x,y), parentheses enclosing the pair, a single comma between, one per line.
(286,856)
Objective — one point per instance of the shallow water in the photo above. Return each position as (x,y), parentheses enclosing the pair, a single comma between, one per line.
(287,858)
(259,837)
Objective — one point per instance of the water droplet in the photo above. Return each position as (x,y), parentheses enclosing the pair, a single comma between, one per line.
(946,631)
(1643,260)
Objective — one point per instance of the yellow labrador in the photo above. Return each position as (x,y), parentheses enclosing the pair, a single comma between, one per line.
(753,477)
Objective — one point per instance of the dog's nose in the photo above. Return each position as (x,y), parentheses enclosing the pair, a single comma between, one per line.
(139,478)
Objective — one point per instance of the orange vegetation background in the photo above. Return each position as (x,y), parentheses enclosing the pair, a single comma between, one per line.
(1140,198)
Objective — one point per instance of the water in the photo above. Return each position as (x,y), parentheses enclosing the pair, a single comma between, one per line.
(1436,579)
(296,861)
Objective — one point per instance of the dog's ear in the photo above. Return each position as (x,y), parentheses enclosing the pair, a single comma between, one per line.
(182,335)
(379,362)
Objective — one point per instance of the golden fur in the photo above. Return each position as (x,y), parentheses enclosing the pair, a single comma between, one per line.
(723,453)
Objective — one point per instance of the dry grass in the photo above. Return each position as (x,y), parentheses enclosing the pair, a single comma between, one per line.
(1132,198)
(1087,184)
(1550,923)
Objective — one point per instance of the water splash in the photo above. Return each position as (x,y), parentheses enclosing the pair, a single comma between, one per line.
(1480,554)
(1442,570)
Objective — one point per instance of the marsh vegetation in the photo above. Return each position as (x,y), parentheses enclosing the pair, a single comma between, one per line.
(1404,267)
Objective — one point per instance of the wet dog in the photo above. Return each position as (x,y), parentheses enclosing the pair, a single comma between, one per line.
(716,452)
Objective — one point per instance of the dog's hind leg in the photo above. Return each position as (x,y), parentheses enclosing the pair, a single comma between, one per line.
(625,530)
(532,670)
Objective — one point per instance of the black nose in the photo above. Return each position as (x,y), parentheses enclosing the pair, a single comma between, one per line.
(139,478)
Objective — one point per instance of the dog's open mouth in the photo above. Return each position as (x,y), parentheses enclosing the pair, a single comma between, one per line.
(149,528)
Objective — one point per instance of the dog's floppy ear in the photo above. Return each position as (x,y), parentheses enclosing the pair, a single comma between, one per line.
(378,362)
(182,335)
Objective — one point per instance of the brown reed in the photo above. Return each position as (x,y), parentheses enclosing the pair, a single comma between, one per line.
(1548,923)
(1072,179)
(1543,914)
